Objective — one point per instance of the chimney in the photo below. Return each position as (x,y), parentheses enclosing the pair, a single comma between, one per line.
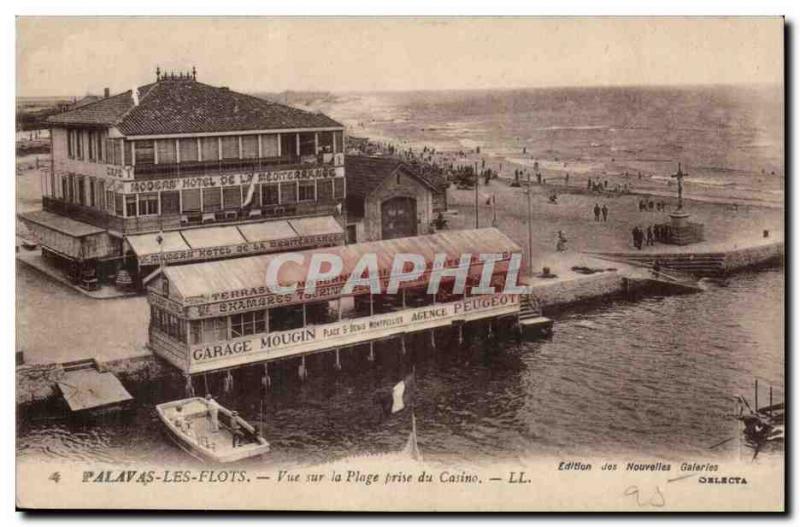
(106,93)
(135,95)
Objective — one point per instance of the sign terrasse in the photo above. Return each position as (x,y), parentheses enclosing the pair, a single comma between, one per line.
(324,280)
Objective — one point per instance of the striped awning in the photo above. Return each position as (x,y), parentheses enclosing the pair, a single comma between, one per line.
(230,241)
(208,279)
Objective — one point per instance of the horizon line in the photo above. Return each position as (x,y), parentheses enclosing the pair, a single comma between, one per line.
(763,84)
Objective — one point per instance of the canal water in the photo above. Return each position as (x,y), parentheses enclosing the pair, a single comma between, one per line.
(654,377)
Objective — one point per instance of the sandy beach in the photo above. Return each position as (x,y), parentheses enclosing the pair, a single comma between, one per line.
(574,216)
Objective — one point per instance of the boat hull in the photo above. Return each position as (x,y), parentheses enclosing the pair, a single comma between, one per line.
(209,444)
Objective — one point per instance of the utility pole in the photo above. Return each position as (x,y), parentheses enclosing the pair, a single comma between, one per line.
(530,226)
(476,195)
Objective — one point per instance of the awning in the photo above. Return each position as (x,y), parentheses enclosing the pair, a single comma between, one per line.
(62,224)
(267,231)
(74,239)
(148,250)
(207,279)
(212,243)
(320,226)
(213,237)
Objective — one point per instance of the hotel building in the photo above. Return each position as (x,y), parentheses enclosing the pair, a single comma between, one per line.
(178,171)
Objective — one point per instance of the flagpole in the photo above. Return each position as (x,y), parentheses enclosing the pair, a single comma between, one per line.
(476,194)
(530,227)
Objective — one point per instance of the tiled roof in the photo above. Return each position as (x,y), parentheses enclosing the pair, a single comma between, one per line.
(188,106)
(364,173)
(105,112)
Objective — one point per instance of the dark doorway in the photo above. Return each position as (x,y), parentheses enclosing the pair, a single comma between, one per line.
(398,218)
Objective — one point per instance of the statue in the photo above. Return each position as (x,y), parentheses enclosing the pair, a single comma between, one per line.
(679,176)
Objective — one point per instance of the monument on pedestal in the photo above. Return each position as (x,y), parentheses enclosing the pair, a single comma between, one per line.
(682,231)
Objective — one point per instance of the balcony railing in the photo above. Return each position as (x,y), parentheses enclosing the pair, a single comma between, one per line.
(201,168)
(166,222)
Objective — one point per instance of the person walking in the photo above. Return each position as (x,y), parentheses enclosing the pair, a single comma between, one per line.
(635,235)
(596,212)
(561,242)
(605,212)
(213,412)
(236,430)
(650,235)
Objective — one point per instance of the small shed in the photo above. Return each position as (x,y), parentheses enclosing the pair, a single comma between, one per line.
(88,389)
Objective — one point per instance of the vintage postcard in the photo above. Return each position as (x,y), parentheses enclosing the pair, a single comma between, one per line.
(400,264)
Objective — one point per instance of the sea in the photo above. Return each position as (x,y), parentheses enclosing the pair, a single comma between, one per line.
(729,139)
(654,377)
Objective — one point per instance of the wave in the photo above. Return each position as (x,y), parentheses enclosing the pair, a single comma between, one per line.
(708,182)
(575,127)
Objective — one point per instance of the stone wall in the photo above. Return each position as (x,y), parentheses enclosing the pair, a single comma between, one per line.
(563,293)
(753,256)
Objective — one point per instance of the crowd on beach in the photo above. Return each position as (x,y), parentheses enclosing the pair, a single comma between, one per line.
(465,168)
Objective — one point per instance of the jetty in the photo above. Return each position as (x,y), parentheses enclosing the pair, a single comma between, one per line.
(707,258)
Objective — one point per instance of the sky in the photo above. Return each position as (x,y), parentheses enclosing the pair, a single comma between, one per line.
(80,55)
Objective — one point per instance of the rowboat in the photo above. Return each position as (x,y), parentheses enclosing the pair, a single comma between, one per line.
(189,424)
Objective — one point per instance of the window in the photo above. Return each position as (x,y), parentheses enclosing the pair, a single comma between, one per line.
(128,152)
(71,144)
(190,200)
(248,324)
(215,329)
(269,194)
(92,192)
(81,190)
(285,318)
(338,188)
(78,144)
(188,150)
(144,153)
(209,147)
(255,201)
(230,147)
(101,155)
(130,206)
(249,146)
(325,142)
(338,142)
(110,201)
(269,145)
(232,197)
(325,190)
(148,204)
(289,192)
(307,191)
(114,151)
(101,194)
(170,202)
(64,187)
(71,188)
(92,146)
(307,144)
(166,151)
(212,199)
(196,331)
(289,145)
(168,323)
(119,208)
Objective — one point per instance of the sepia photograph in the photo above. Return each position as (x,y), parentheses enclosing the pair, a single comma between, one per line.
(400,263)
